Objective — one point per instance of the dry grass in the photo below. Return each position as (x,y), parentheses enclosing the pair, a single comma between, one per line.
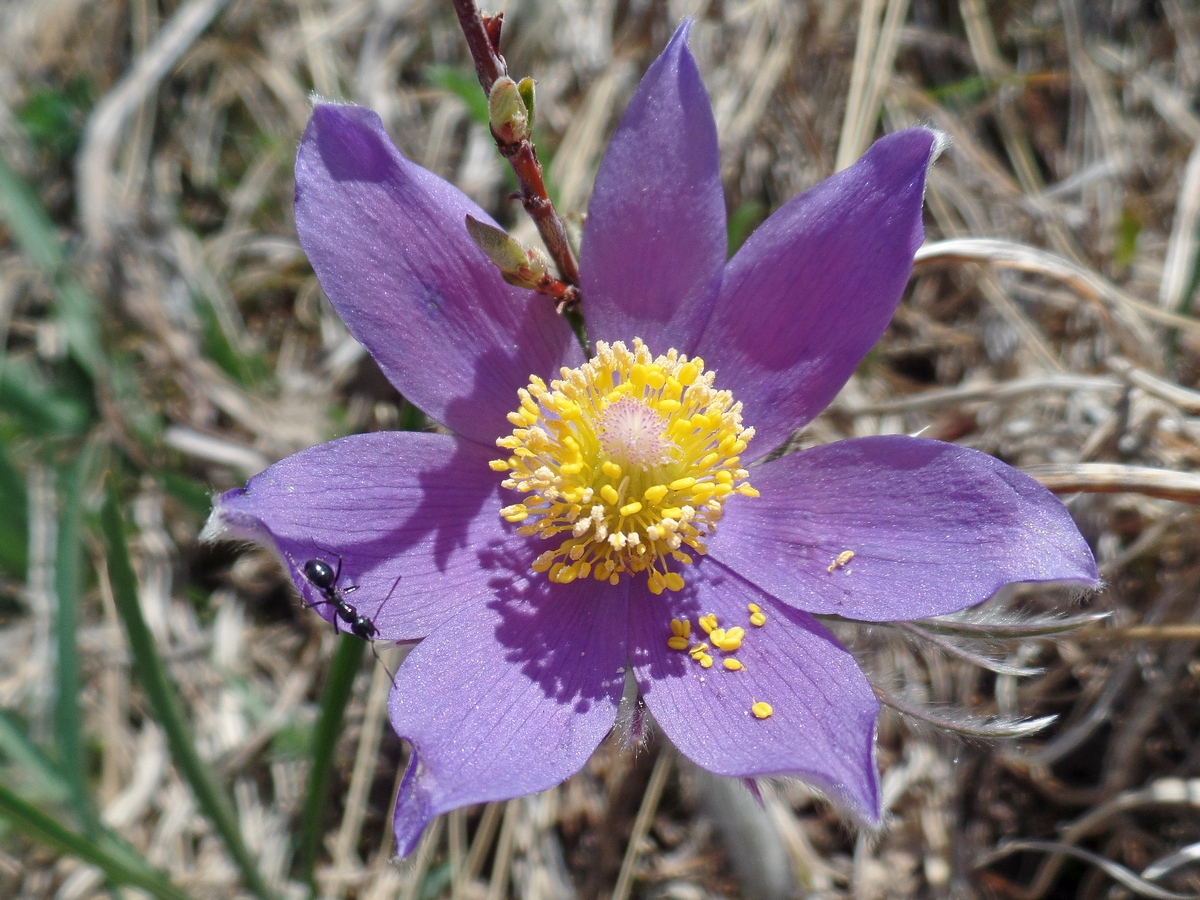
(1049,322)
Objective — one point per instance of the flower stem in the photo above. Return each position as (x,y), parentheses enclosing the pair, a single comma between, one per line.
(483,42)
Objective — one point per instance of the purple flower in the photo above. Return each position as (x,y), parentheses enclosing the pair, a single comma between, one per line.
(632,518)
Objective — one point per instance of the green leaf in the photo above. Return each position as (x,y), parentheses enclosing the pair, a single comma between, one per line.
(742,223)
(54,117)
(194,495)
(463,85)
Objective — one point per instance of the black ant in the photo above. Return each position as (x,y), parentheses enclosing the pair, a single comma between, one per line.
(324,578)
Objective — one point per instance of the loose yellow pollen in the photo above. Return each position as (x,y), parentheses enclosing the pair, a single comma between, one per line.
(625,464)
(761,709)
(844,557)
(727,640)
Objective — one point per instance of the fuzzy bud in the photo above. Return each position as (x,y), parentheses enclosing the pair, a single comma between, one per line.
(506,111)
(518,266)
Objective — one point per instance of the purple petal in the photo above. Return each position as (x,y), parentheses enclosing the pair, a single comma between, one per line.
(413,518)
(508,698)
(933,528)
(822,724)
(388,241)
(815,286)
(654,243)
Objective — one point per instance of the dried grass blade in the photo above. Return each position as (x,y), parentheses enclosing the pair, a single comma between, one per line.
(156,682)
(641,824)
(1035,261)
(1113,478)
(1115,871)
(1179,267)
(864,49)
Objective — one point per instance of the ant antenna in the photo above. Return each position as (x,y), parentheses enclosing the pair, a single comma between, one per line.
(324,577)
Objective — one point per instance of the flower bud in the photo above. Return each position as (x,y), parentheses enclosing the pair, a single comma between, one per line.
(525,89)
(506,111)
(518,266)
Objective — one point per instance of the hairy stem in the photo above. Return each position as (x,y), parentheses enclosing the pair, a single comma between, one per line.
(521,155)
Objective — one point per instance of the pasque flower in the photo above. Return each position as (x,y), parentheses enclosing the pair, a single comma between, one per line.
(625,513)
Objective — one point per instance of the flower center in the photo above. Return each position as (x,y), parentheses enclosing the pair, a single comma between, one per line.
(626,462)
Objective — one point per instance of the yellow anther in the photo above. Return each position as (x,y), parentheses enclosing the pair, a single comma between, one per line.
(631,509)
(515,513)
(681,627)
(758,619)
(747,491)
(716,635)
(672,512)
(706,661)
(682,484)
(761,709)
(655,493)
(732,665)
(698,650)
(674,581)
(610,495)
(677,642)
(708,623)
(498,465)
(754,607)
(611,469)
(687,373)
(842,559)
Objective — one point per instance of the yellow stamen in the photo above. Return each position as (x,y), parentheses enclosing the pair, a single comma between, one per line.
(624,464)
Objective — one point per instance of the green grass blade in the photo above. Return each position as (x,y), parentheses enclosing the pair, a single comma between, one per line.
(116,860)
(152,675)
(23,213)
(37,774)
(26,218)
(38,407)
(14,524)
(347,660)
(68,582)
